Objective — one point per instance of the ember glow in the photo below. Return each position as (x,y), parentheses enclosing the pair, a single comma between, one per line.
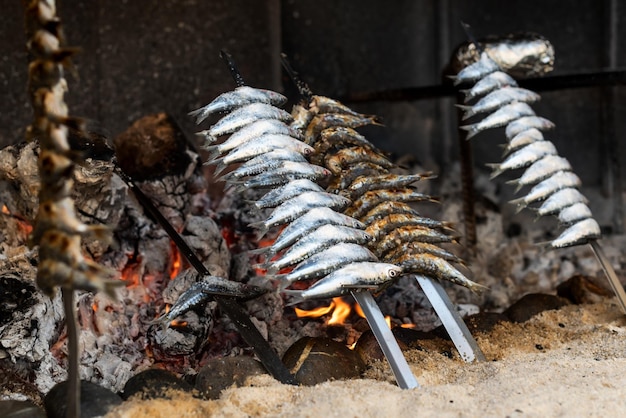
(177,262)
(24,227)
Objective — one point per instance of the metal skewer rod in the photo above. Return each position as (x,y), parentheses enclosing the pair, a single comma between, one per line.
(451,320)
(386,340)
(618,289)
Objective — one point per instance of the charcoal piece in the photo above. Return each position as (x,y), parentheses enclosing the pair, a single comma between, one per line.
(95,400)
(368,349)
(154,383)
(21,409)
(581,289)
(484,321)
(152,147)
(222,373)
(316,360)
(16,296)
(533,304)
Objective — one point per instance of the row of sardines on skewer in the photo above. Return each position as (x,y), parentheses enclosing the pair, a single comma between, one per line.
(380,199)
(317,241)
(345,218)
(554,187)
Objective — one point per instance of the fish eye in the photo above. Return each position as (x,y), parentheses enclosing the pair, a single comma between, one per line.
(393,272)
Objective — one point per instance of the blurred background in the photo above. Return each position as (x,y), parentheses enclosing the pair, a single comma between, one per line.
(153,56)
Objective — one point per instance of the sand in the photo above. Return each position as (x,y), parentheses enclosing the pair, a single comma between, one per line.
(569,362)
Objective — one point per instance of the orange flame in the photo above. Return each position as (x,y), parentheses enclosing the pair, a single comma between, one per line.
(177,262)
(340,312)
(24,227)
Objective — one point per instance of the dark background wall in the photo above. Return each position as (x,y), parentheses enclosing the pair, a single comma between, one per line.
(150,56)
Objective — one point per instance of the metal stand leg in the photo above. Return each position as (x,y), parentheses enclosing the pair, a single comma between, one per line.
(618,289)
(460,335)
(386,340)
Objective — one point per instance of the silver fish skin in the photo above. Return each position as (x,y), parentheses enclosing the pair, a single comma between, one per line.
(186,302)
(325,121)
(387,208)
(477,70)
(282,194)
(304,225)
(201,292)
(499,98)
(346,157)
(241,96)
(263,144)
(560,200)
(325,262)
(541,170)
(525,123)
(489,83)
(251,132)
(579,233)
(388,223)
(323,237)
(522,139)
(323,104)
(298,206)
(405,234)
(417,247)
(352,276)
(365,184)
(500,117)
(246,115)
(373,198)
(524,157)
(430,265)
(547,187)
(283,173)
(301,117)
(575,213)
(264,162)
(344,135)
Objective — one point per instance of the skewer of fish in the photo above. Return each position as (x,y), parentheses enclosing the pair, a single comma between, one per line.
(58,231)
(306,211)
(273,157)
(361,172)
(555,187)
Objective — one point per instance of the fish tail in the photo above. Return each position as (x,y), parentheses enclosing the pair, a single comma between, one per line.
(471,130)
(294,295)
(496,171)
(515,182)
(263,229)
(259,251)
(455,79)
(476,288)
(200,114)
(468,111)
(206,134)
(519,203)
(376,120)
(213,152)
(219,167)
